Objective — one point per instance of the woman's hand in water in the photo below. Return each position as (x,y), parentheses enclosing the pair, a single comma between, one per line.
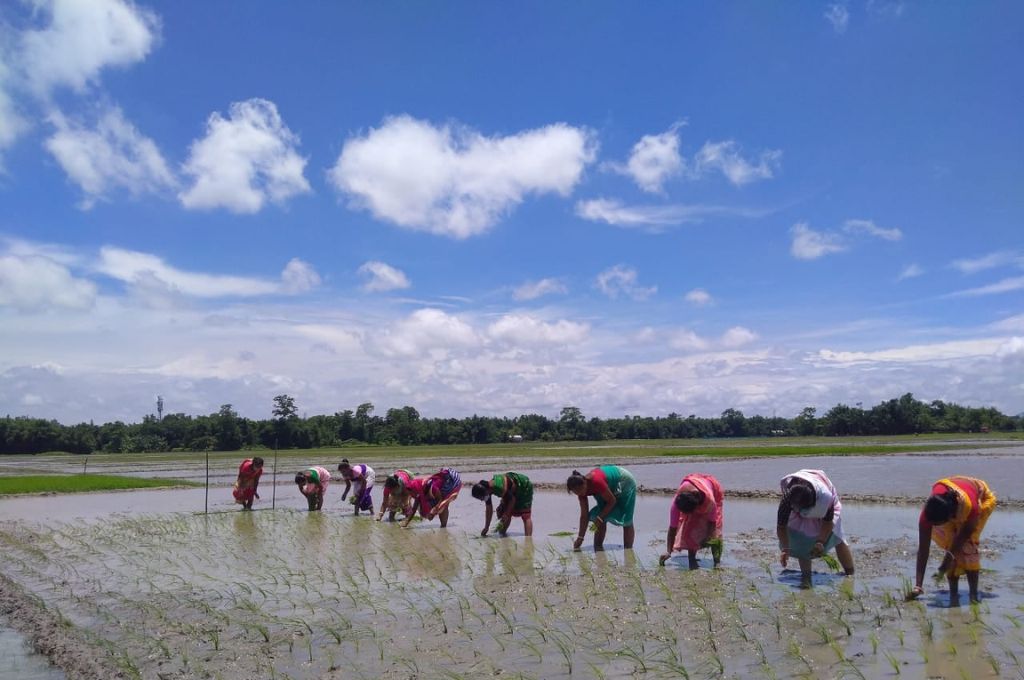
(663,559)
(915,592)
(577,544)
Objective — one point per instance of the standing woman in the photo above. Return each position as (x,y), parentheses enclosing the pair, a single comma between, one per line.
(434,494)
(954,517)
(312,484)
(248,482)
(809,522)
(397,495)
(697,506)
(362,477)
(516,493)
(614,491)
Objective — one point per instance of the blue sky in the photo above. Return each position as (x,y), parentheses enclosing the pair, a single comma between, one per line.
(474,208)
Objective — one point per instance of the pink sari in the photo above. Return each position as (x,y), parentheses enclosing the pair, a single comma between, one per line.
(704,523)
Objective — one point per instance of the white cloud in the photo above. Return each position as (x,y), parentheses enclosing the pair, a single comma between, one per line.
(810,245)
(1012,323)
(699,297)
(911,271)
(738,336)
(426,331)
(654,159)
(1007,285)
(453,181)
(870,228)
(653,217)
(838,16)
(725,157)
(622,280)
(939,351)
(531,290)
(524,330)
(82,39)
(299,277)
(886,9)
(113,155)
(994,260)
(687,341)
(12,124)
(34,282)
(381,277)
(244,160)
(151,274)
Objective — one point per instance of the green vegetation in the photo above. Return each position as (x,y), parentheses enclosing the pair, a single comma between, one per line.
(80,483)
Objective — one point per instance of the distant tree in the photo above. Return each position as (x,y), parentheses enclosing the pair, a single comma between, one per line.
(570,419)
(284,407)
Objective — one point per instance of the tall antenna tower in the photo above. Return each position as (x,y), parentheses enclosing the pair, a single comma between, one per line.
(159,407)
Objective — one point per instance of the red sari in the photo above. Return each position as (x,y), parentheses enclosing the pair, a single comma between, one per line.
(245,485)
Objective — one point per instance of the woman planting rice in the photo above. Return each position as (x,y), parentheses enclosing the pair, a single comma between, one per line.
(312,484)
(360,476)
(954,517)
(614,491)
(809,522)
(697,506)
(396,495)
(248,481)
(516,493)
(434,494)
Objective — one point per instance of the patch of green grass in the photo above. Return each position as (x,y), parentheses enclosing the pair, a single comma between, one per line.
(80,483)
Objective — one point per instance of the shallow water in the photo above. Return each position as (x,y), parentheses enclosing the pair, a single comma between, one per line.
(245,594)
(19,662)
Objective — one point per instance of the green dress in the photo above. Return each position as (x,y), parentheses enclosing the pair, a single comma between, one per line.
(623,487)
(523,492)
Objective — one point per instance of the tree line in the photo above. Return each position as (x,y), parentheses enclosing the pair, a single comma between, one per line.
(225,430)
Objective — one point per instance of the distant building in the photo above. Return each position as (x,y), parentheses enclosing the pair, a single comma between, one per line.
(515,438)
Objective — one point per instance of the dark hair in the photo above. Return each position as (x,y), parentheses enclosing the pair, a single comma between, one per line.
(394,482)
(939,508)
(257,462)
(300,478)
(687,501)
(800,494)
(343,465)
(481,490)
(575,481)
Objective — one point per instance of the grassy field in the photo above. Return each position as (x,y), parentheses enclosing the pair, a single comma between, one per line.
(80,483)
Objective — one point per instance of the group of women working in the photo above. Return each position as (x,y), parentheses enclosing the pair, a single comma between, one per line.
(808,526)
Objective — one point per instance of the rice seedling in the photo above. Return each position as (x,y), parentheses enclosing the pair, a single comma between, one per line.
(893,662)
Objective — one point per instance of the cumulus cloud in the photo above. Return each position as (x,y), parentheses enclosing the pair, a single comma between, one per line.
(687,341)
(838,16)
(810,245)
(454,181)
(380,277)
(150,273)
(738,336)
(531,290)
(35,282)
(911,271)
(870,228)
(622,280)
(524,330)
(653,160)
(426,332)
(993,260)
(83,38)
(726,158)
(699,297)
(244,160)
(112,155)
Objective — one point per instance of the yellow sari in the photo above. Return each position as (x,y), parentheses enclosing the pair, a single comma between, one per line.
(968,558)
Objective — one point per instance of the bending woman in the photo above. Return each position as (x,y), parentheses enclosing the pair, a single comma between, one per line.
(516,493)
(397,495)
(809,522)
(614,491)
(248,482)
(362,477)
(434,494)
(697,506)
(312,484)
(954,517)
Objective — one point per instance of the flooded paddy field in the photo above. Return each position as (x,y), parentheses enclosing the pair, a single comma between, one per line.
(141,586)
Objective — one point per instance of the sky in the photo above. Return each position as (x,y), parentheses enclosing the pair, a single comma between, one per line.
(494,209)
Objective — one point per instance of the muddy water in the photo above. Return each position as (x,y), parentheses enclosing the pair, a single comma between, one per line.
(242,595)
(19,662)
